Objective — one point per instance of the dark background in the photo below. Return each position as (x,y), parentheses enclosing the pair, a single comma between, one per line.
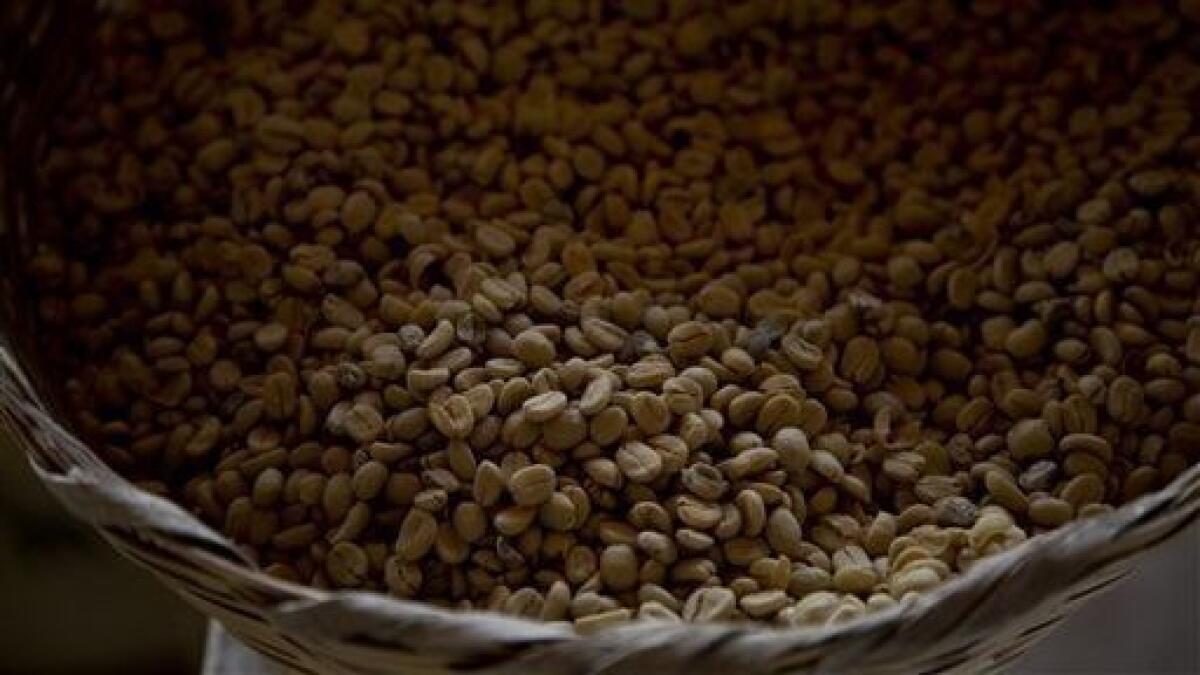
(69,605)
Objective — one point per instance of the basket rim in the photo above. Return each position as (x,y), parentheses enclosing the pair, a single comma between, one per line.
(1077,532)
(77,470)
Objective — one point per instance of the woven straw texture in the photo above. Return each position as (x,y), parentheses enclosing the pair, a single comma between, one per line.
(975,623)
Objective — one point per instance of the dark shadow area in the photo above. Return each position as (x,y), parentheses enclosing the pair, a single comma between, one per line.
(69,604)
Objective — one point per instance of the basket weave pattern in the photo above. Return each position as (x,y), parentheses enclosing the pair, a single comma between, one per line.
(974,623)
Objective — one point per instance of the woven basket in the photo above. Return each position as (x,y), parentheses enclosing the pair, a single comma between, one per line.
(977,622)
